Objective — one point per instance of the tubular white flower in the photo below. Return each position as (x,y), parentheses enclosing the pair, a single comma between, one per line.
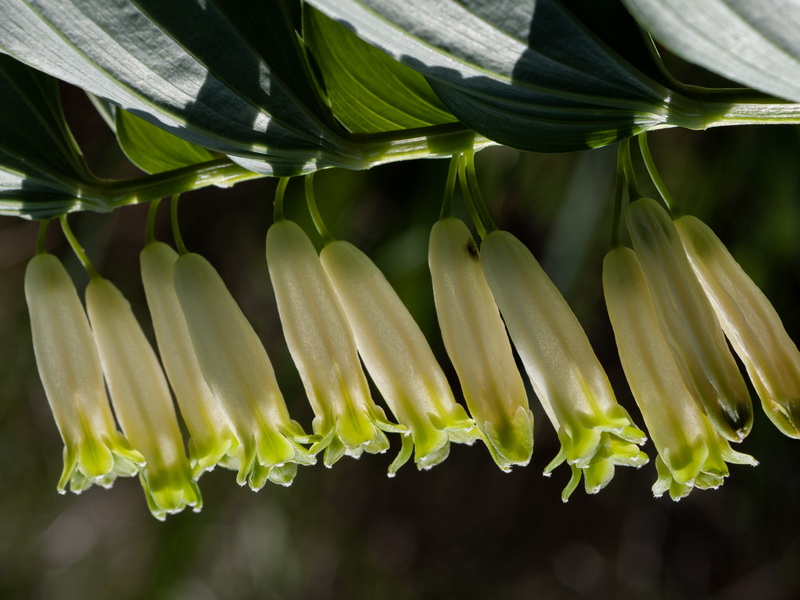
(596,433)
(750,322)
(476,341)
(236,367)
(323,349)
(688,321)
(141,399)
(95,452)
(211,440)
(691,453)
(398,358)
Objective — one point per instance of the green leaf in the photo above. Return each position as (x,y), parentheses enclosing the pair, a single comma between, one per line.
(42,172)
(368,90)
(218,74)
(525,73)
(752,43)
(154,150)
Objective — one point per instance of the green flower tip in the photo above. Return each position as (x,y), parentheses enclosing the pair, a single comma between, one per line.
(206,452)
(353,433)
(596,453)
(169,490)
(272,454)
(98,460)
(430,436)
(701,465)
(510,441)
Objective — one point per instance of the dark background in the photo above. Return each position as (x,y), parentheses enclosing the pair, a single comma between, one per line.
(463,529)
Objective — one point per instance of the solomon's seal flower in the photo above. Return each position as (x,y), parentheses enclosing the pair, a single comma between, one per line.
(236,367)
(211,440)
(142,401)
(750,322)
(476,341)
(398,358)
(323,348)
(688,321)
(69,366)
(691,453)
(596,433)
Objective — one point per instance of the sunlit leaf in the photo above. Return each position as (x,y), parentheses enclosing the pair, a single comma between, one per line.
(752,43)
(154,150)
(368,90)
(217,74)
(526,73)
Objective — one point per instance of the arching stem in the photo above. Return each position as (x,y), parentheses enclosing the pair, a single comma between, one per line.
(150,231)
(77,248)
(316,217)
(176,230)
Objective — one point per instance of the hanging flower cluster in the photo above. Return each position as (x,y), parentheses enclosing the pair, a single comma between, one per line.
(672,299)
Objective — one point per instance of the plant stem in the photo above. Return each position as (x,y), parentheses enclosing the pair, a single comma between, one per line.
(277,204)
(77,248)
(627,168)
(619,188)
(650,165)
(41,237)
(465,189)
(149,233)
(316,217)
(449,187)
(176,230)
(477,196)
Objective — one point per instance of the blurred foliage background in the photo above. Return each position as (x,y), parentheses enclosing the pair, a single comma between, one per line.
(463,529)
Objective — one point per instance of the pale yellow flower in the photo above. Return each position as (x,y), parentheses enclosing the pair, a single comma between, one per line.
(596,433)
(688,321)
(476,341)
(142,401)
(211,440)
(691,453)
(750,322)
(398,358)
(236,367)
(95,452)
(323,349)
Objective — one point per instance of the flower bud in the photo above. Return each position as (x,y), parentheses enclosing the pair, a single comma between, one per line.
(69,367)
(236,367)
(688,322)
(691,453)
(211,440)
(476,341)
(596,433)
(323,348)
(141,398)
(398,358)
(750,322)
